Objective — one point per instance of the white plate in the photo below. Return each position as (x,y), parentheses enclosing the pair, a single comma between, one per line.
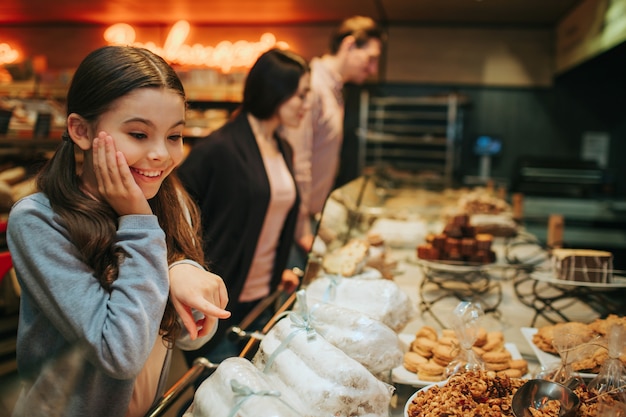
(450,266)
(410,400)
(548,277)
(547,360)
(401,375)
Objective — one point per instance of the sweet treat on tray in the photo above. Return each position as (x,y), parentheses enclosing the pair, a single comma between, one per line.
(479,393)
(430,353)
(378,256)
(412,361)
(348,260)
(220,394)
(397,233)
(327,381)
(380,299)
(592,336)
(583,265)
(459,242)
(579,333)
(501,225)
(482,202)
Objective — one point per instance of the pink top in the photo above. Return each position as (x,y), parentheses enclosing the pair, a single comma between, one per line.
(317,142)
(283,195)
(147,381)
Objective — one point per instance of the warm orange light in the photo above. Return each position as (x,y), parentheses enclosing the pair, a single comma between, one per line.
(225,55)
(8,55)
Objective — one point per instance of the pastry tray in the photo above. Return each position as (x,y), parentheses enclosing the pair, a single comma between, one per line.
(401,375)
(617,283)
(547,360)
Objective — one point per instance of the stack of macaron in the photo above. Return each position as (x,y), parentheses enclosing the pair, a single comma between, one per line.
(430,353)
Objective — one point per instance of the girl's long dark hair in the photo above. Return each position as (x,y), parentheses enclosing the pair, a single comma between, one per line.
(104,76)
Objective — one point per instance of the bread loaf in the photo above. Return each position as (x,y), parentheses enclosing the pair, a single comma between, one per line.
(348,260)
(327,381)
(380,299)
(366,340)
(238,386)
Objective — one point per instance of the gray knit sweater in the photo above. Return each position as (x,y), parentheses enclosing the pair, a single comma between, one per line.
(79,347)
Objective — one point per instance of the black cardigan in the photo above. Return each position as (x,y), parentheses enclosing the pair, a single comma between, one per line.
(225,174)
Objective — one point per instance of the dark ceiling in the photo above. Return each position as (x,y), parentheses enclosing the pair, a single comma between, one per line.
(251,12)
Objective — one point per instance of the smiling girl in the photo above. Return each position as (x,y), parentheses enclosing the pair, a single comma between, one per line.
(108,252)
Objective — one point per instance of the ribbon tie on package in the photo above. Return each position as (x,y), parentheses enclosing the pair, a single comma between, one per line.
(331,290)
(243,393)
(301,321)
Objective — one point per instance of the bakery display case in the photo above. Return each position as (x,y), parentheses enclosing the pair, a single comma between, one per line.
(362,336)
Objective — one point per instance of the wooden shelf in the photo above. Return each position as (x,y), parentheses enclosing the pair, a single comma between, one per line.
(28,142)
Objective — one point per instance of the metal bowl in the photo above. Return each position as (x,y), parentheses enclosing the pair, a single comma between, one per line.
(536,392)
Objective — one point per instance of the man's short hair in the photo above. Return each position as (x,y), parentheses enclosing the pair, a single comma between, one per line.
(363,29)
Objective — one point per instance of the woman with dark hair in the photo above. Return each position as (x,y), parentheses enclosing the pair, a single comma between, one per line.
(241,175)
(108,253)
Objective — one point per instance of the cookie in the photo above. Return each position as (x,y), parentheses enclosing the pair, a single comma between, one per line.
(574,333)
(448,333)
(511,373)
(497,357)
(586,364)
(497,366)
(603,326)
(497,361)
(444,354)
(481,337)
(412,361)
(519,364)
(479,351)
(423,346)
(428,332)
(495,341)
(448,341)
(431,372)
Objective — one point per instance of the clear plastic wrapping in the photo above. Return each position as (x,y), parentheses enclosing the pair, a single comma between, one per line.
(327,381)
(465,322)
(379,299)
(610,383)
(366,340)
(238,389)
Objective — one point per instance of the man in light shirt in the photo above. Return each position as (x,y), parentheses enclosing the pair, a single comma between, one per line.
(355,48)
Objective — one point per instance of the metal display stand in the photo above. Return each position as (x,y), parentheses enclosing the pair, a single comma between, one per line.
(549,299)
(463,282)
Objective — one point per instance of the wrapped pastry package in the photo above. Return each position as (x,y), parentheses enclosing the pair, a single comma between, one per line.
(366,340)
(238,388)
(380,299)
(610,383)
(327,381)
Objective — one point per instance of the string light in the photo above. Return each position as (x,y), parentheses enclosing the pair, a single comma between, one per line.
(225,56)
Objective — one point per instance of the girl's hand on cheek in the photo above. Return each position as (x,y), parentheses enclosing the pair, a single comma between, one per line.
(116,184)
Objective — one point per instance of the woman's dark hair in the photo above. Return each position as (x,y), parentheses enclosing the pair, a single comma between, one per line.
(105,75)
(363,29)
(272,80)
